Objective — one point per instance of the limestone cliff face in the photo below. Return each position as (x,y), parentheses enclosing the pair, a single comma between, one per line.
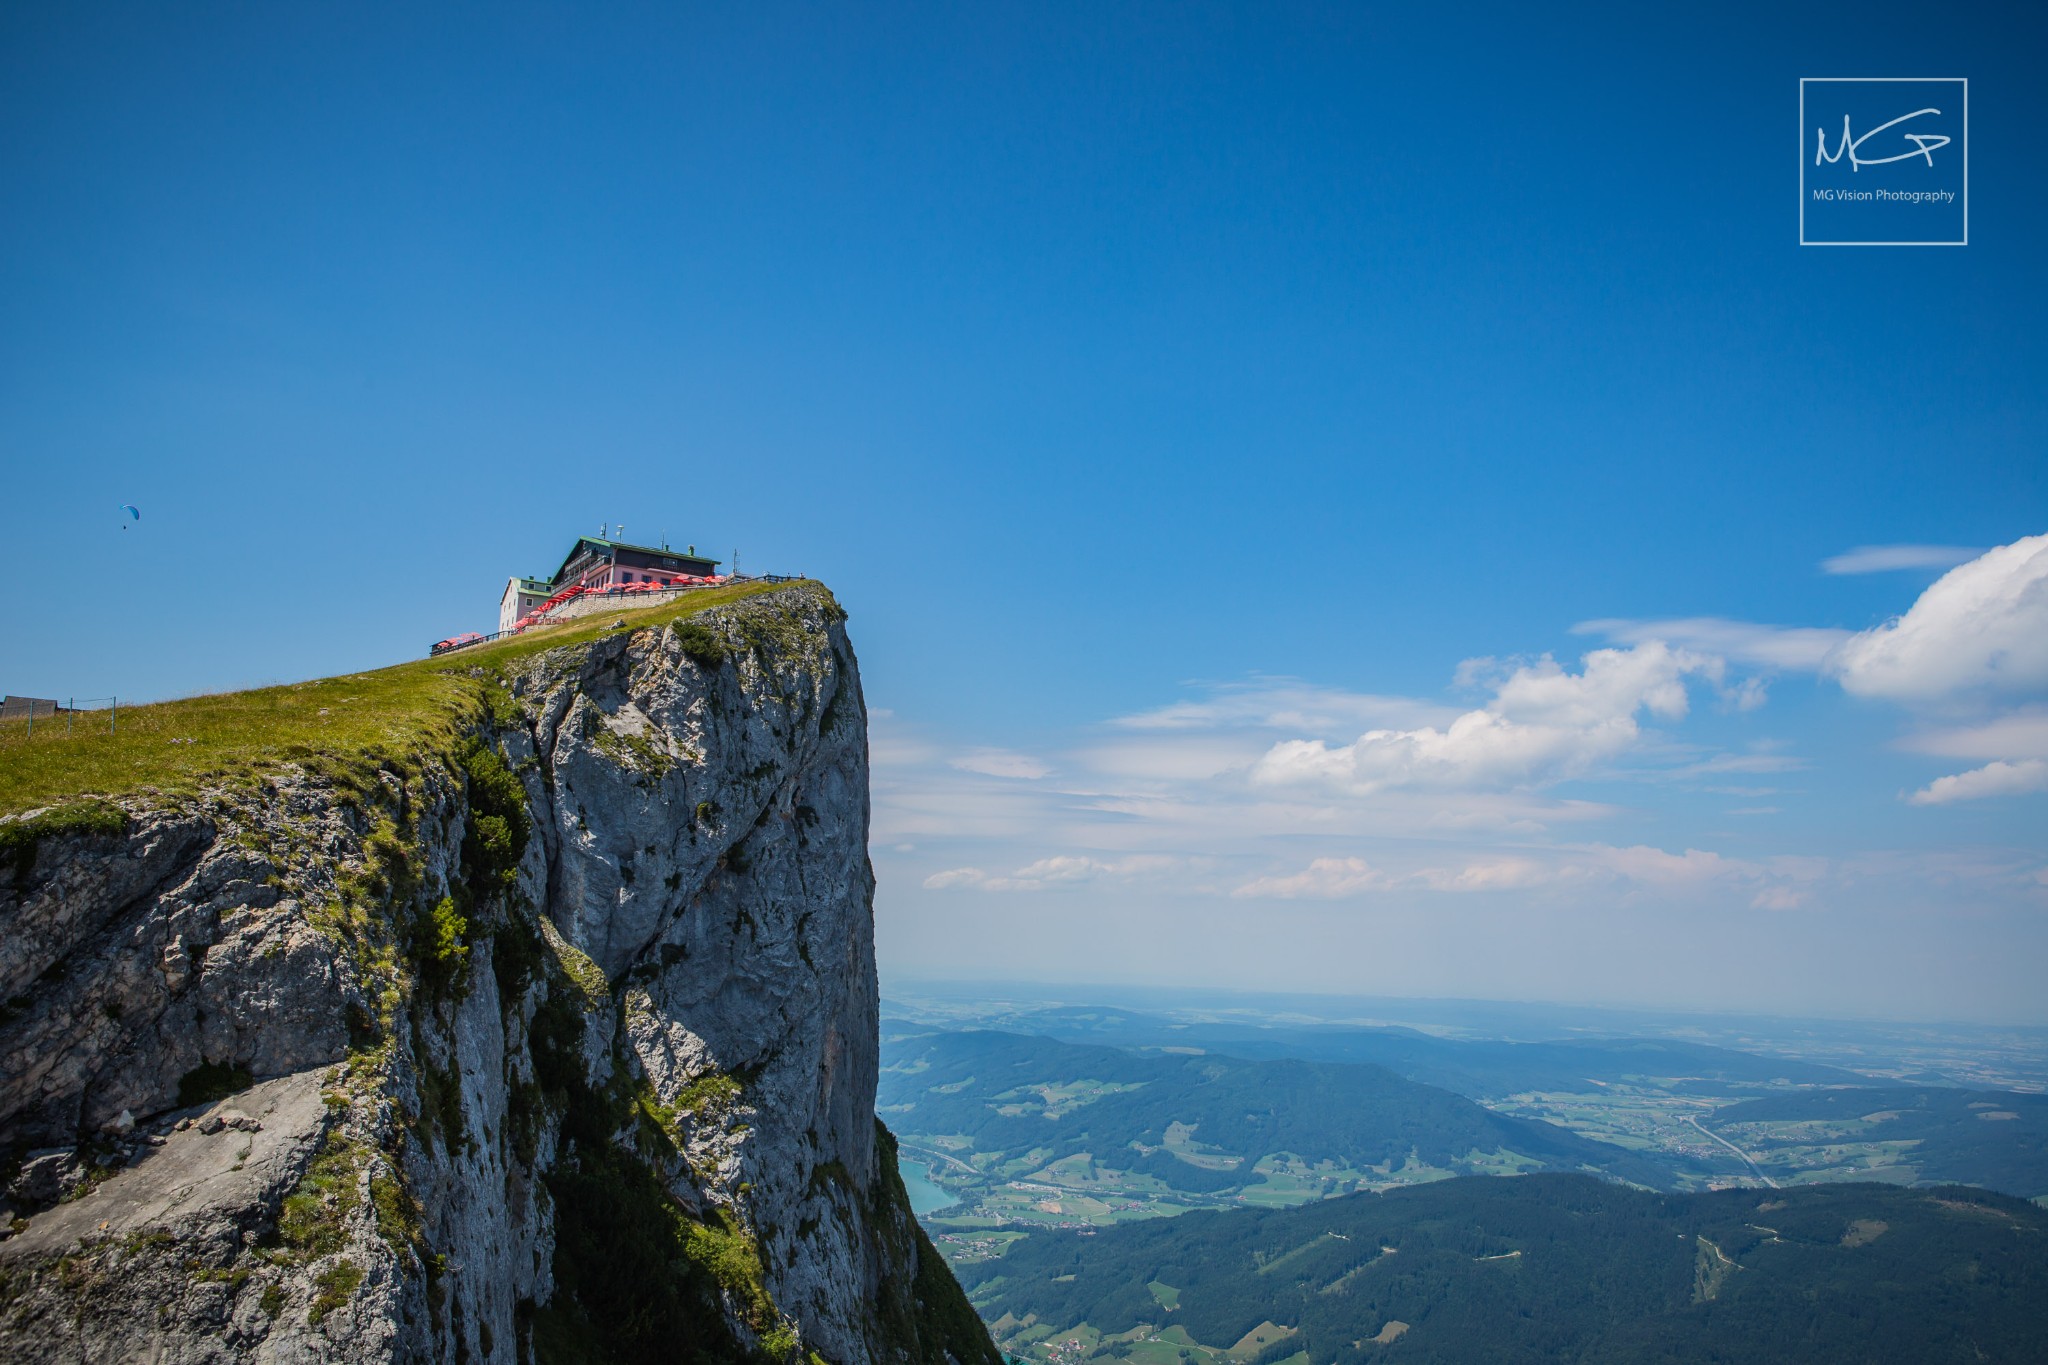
(559,1044)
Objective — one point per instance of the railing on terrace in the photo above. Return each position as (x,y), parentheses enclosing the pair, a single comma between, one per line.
(623,592)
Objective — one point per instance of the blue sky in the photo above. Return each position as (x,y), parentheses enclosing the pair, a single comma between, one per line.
(1266,362)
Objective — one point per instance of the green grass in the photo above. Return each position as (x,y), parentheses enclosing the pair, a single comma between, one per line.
(335,1286)
(313,1221)
(356,720)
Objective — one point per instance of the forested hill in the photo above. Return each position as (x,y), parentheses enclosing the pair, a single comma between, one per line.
(1542,1269)
(1980,1137)
(1202,1123)
(1482,1069)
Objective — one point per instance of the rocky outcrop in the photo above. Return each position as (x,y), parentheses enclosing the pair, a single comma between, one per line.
(556,1043)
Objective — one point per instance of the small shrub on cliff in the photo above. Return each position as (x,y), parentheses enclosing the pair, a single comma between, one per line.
(702,645)
(635,1276)
(398,1212)
(499,824)
(335,1286)
(517,955)
(313,1220)
(441,1103)
(442,954)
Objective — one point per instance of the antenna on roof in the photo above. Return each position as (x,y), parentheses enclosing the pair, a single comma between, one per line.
(622,532)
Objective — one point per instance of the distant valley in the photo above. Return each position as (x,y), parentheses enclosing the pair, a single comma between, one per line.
(1037,1132)
(1662,1113)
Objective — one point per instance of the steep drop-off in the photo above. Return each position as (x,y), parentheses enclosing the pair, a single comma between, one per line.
(549,1037)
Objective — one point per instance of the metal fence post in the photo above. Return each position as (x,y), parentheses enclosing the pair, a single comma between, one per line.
(113,714)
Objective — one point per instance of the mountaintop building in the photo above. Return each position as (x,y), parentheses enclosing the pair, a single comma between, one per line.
(596,563)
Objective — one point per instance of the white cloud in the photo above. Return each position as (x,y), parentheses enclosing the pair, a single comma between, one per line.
(1693,871)
(1748,695)
(1065,867)
(1641,863)
(1884,558)
(1323,879)
(1794,648)
(1173,756)
(1993,779)
(1059,870)
(1492,874)
(2021,734)
(1543,723)
(1001,763)
(1981,627)
(1740,763)
(1286,704)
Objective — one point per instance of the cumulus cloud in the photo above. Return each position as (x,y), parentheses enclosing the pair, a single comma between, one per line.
(1001,763)
(1492,874)
(1047,873)
(1323,879)
(1885,558)
(1982,627)
(1993,779)
(1789,648)
(2021,734)
(1779,886)
(1543,723)
(1645,864)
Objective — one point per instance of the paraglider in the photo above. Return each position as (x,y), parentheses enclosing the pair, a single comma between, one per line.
(134,514)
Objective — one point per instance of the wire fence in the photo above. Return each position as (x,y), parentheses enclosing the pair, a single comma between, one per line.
(65,714)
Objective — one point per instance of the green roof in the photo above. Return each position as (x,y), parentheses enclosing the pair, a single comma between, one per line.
(581,541)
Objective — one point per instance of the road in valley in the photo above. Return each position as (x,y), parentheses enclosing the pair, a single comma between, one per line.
(1747,1160)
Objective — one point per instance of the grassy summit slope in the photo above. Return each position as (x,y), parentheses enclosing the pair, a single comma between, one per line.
(390,713)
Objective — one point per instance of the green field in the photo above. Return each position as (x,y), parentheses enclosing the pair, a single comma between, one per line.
(1794,1135)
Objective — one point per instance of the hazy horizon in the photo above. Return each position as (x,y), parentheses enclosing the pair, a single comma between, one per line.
(1355,1007)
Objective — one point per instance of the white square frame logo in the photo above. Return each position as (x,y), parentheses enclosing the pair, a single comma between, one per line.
(1805,81)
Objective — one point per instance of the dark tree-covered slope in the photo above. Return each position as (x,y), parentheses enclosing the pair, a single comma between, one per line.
(1479,1068)
(1550,1269)
(1152,1113)
(1979,1137)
